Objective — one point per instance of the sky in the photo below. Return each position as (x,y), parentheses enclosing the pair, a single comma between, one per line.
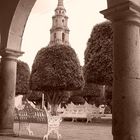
(83,16)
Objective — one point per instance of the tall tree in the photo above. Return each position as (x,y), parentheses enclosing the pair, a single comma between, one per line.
(76,97)
(35,97)
(108,96)
(56,69)
(99,55)
(22,78)
(91,92)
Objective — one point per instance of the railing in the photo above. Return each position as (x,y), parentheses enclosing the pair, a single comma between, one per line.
(27,114)
(38,116)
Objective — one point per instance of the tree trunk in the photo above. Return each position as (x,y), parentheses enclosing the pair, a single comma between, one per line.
(54,109)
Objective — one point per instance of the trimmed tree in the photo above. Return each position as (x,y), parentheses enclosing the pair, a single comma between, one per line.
(99,55)
(76,97)
(108,96)
(22,78)
(91,92)
(55,70)
(35,97)
(77,100)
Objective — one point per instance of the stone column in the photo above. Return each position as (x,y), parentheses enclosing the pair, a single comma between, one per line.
(7,91)
(125,18)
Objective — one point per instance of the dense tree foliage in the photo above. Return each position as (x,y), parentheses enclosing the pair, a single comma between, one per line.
(99,55)
(75,95)
(91,90)
(35,97)
(56,70)
(92,93)
(22,78)
(77,100)
(108,96)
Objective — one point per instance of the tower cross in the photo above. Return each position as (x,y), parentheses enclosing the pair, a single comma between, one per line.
(60,2)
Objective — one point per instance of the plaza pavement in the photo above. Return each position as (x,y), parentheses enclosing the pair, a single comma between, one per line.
(69,131)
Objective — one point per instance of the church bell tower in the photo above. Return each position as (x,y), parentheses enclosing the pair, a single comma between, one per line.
(59,33)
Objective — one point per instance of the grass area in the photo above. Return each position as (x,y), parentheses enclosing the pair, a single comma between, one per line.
(73,130)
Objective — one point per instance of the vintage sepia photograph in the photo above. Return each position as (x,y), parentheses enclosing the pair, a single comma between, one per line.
(70,70)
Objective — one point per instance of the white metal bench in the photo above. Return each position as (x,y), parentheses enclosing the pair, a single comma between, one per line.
(53,125)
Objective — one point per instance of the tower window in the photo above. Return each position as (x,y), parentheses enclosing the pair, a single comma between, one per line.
(54,36)
(63,22)
(63,37)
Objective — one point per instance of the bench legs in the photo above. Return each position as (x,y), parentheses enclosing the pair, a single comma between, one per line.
(52,131)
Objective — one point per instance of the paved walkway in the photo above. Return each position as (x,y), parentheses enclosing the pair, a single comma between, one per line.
(13,138)
(69,131)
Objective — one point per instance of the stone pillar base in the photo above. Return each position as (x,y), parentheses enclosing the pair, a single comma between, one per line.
(7,91)
(124,137)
